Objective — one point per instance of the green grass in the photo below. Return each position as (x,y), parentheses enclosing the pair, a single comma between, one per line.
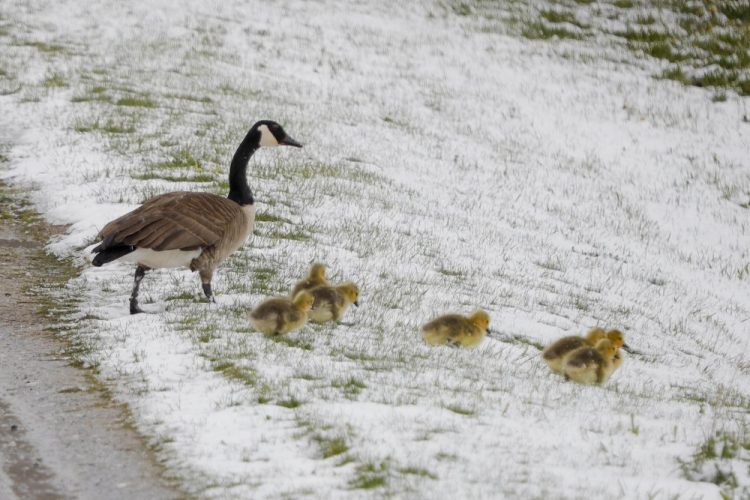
(370,476)
(711,462)
(263,280)
(55,80)
(290,403)
(93,94)
(229,370)
(558,16)
(293,341)
(182,158)
(47,48)
(269,217)
(416,471)
(351,386)
(331,447)
(701,47)
(106,127)
(451,272)
(460,410)
(293,234)
(139,102)
(537,30)
(174,178)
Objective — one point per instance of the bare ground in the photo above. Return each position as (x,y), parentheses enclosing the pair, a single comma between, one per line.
(60,434)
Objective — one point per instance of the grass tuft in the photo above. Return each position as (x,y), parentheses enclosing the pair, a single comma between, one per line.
(139,102)
(370,476)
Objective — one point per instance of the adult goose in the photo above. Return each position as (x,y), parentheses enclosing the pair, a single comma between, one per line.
(194,230)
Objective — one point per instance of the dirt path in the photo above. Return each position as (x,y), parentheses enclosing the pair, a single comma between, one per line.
(60,435)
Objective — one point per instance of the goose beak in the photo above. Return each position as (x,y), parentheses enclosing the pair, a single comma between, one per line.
(288,141)
(356,303)
(627,348)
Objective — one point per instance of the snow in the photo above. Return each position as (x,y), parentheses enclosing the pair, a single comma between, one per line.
(445,168)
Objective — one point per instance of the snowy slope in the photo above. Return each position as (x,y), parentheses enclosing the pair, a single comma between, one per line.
(446,168)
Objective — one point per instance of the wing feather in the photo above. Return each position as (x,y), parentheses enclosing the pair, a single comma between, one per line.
(181,220)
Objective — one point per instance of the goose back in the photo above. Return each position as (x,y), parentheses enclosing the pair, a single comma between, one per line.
(184,221)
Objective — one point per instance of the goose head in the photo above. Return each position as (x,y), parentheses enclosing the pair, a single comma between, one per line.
(318,272)
(617,338)
(481,320)
(273,134)
(607,350)
(351,292)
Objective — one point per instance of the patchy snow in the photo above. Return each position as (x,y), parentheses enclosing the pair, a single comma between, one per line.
(445,168)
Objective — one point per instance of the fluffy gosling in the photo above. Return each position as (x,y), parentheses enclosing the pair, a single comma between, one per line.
(316,277)
(590,365)
(555,353)
(332,301)
(456,330)
(281,315)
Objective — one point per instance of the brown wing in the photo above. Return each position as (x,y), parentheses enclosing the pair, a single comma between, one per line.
(326,295)
(455,324)
(585,356)
(180,220)
(563,346)
(273,307)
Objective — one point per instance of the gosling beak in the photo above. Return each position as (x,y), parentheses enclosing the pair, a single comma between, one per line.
(627,348)
(356,303)
(288,141)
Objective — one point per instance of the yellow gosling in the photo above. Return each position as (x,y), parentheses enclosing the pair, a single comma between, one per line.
(590,365)
(456,330)
(332,301)
(316,277)
(555,353)
(280,315)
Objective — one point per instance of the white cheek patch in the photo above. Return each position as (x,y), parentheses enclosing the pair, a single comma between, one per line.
(266,137)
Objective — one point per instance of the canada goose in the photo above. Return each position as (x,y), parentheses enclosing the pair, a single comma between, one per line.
(555,353)
(193,230)
(280,315)
(317,277)
(456,330)
(332,301)
(590,365)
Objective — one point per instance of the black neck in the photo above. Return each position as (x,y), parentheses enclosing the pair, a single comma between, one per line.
(239,191)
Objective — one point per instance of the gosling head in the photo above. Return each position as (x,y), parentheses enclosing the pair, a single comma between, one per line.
(272,134)
(616,337)
(318,272)
(304,300)
(595,335)
(481,320)
(606,349)
(351,292)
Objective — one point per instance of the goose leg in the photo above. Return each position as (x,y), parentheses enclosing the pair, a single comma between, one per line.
(140,272)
